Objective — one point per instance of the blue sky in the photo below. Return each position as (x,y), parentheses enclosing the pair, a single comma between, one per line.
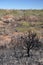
(21,4)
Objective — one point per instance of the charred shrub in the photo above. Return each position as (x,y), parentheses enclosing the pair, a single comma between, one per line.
(31,41)
(27,41)
(3,47)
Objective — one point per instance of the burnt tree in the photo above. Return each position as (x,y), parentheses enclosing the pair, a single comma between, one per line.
(31,40)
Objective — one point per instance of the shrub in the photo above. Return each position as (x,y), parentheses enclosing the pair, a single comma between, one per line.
(31,40)
(28,40)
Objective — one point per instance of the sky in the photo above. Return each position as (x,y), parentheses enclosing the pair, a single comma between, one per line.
(21,4)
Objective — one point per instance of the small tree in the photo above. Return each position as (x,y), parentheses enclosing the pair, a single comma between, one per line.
(31,40)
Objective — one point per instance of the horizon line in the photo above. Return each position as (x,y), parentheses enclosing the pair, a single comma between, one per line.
(19,9)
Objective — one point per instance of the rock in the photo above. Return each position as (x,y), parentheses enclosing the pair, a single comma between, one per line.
(41,60)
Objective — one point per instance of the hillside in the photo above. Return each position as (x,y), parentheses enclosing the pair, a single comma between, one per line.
(15,24)
(21,21)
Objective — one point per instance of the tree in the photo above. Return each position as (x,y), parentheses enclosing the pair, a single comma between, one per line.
(28,40)
(31,40)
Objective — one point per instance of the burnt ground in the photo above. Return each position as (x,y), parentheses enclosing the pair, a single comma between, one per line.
(9,24)
(18,56)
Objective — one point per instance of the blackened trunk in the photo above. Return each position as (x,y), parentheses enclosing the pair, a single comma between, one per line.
(28,52)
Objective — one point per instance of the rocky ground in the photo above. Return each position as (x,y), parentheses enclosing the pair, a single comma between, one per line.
(18,56)
(10,55)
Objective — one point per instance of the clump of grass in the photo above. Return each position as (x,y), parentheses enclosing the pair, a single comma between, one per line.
(22,29)
(26,24)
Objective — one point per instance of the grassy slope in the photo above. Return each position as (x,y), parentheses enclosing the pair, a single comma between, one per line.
(25,26)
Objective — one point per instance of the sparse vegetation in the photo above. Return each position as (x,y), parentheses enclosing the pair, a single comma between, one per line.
(17,39)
